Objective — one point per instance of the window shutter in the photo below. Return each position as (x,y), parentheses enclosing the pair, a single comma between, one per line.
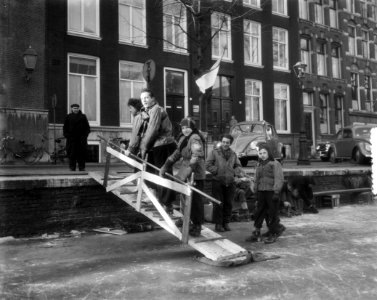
(357,7)
(359,48)
(371,50)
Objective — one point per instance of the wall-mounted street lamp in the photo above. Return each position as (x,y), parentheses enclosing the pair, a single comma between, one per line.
(30,60)
(303,159)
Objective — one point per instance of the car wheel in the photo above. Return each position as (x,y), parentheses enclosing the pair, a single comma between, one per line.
(244,162)
(357,156)
(332,156)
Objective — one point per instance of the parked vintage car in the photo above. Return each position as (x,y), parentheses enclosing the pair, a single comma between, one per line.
(248,134)
(351,142)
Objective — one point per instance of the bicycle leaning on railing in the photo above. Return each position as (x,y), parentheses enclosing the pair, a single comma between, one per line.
(11,150)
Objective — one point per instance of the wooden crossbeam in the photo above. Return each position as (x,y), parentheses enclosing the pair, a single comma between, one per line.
(123,181)
(161,210)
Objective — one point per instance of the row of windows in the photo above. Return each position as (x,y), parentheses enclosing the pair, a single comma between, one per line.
(83,87)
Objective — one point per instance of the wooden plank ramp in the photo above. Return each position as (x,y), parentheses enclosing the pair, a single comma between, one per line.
(211,244)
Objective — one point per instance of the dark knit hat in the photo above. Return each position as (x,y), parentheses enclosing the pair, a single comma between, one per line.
(188,122)
(75,105)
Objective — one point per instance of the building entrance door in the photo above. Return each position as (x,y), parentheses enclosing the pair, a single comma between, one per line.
(309,129)
(221,110)
(175,109)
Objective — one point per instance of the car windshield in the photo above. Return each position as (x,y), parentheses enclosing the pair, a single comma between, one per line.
(363,132)
(246,128)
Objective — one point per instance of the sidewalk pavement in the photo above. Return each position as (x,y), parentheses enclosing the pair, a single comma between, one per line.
(330,255)
(49,169)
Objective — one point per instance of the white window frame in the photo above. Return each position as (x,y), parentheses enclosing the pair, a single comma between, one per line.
(123,124)
(336,68)
(249,98)
(338,126)
(178,27)
(352,45)
(97,143)
(318,12)
(321,59)
(327,114)
(277,5)
(351,6)
(98,83)
(306,54)
(277,44)
(288,117)
(81,31)
(370,96)
(357,84)
(304,9)
(133,11)
(363,8)
(365,43)
(252,38)
(220,32)
(186,112)
(333,13)
(251,3)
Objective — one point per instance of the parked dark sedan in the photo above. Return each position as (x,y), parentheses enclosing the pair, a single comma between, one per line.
(248,134)
(351,142)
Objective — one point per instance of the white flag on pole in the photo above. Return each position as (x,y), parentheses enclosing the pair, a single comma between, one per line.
(208,79)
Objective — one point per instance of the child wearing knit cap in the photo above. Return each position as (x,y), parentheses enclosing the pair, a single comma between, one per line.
(269,181)
(190,151)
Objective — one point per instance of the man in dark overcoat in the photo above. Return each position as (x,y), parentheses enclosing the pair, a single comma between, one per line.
(76,130)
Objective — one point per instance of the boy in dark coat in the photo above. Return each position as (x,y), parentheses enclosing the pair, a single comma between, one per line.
(76,130)
(223,163)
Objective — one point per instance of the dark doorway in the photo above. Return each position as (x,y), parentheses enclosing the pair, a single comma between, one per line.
(175,98)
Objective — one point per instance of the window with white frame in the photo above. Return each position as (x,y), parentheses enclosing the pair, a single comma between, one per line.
(335,61)
(306,53)
(175,26)
(131,83)
(368,93)
(363,8)
(279,7)
(321,58)
(324,114)
(351,40)
(318,11)
(304,9)
(280,48)
(333,13)
(83,85)
(365,43)
(252,42)
(253,100)
(252,3)
(351,6)
(355,95)
(83,17)
(372,10)
(221,32)
(281,106)
(338,99)
(307,98)
(132,22)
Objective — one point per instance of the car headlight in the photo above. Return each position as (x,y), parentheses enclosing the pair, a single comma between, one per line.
(367,147)
(254,145)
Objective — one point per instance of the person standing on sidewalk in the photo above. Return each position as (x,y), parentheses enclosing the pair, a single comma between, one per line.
(269,181)
(191,150)
(134,105)
(76,130)
(222,163)
(155,139)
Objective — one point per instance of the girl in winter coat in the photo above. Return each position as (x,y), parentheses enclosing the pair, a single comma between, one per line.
(223,164)
(191,152)
(269,181)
